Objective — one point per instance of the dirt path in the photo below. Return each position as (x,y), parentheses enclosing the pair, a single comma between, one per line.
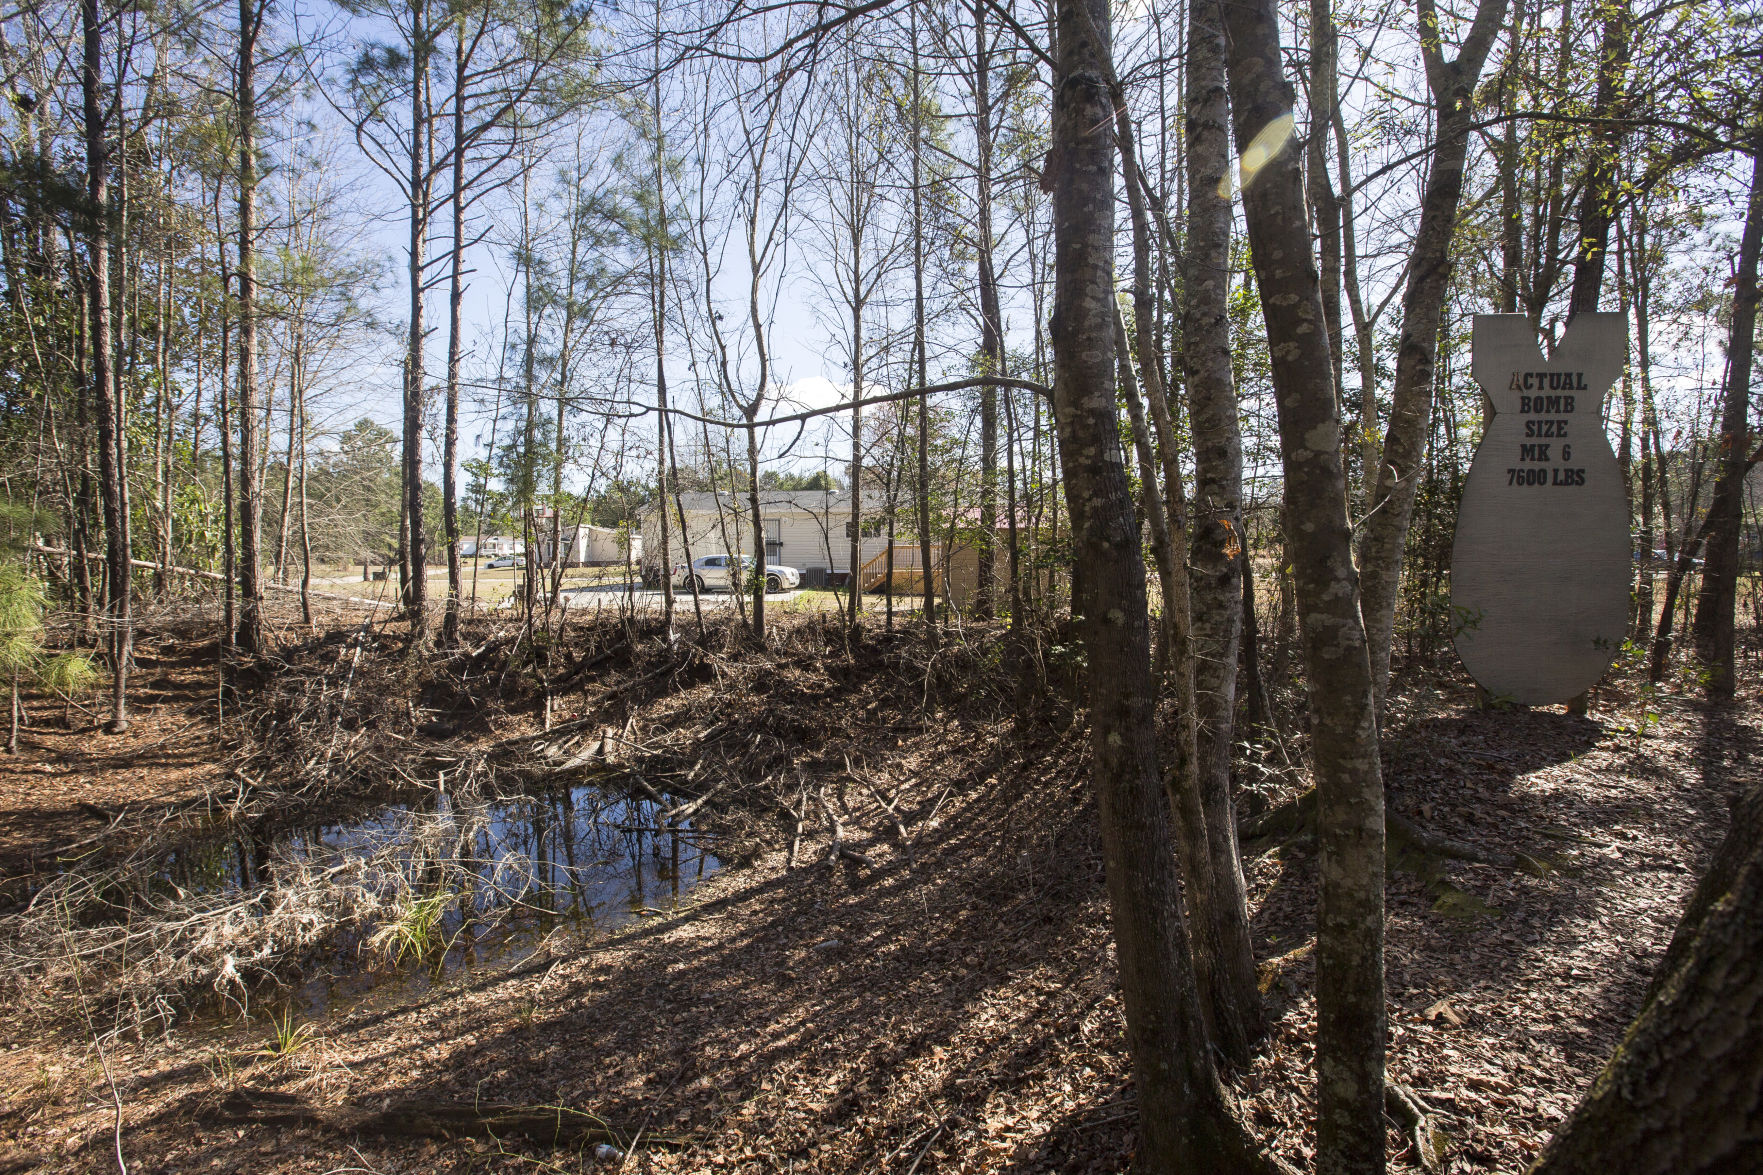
(66,786)
(952,1008)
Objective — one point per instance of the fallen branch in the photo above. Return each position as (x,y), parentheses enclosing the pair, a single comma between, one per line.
(797,814)
(893,814)
(838,829)
(838,848)
(553,1125)
(213,576)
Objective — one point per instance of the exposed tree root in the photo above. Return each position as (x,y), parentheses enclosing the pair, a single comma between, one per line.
(1297,818)
(1419,1124)
(1405,834)
(1282,822)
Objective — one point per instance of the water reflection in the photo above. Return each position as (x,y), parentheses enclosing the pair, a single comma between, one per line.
(467,884)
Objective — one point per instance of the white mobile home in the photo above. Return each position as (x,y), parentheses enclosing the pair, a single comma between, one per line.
(589,546)
(804,529)
(489,546)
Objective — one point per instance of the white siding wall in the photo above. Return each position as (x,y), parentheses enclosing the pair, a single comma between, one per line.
(602,545)
(805,537)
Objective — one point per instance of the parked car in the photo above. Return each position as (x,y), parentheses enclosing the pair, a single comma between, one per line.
(502,561)
(730,571)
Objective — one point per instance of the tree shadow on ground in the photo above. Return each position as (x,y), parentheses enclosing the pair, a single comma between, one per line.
(1509,984)
(835,1017)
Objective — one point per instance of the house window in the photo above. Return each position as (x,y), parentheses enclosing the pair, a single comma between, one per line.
(774,540)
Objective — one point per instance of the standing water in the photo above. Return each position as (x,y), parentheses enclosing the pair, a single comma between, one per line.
(465,886)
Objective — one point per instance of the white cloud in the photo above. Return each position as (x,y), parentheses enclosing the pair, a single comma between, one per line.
(814,392)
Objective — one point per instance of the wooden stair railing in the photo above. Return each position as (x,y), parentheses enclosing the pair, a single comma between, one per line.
(908,564)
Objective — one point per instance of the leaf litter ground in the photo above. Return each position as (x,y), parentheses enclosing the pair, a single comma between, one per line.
(942,1003)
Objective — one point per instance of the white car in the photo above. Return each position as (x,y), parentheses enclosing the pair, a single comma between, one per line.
(731,571)
(502,561)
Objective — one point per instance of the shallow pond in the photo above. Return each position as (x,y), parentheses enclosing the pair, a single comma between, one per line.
(471,886)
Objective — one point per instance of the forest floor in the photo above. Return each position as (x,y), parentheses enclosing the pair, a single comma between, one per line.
(942,997)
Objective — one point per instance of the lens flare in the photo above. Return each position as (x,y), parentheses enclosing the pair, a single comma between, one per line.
(1267,143)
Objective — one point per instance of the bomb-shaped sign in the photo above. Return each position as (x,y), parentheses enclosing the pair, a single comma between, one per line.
(1540,566)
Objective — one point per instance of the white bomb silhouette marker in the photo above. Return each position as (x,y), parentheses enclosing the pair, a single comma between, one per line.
(1541,563)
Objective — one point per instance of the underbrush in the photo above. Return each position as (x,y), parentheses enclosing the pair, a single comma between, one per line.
(688,737)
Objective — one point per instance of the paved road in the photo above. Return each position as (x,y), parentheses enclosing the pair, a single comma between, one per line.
(617,595)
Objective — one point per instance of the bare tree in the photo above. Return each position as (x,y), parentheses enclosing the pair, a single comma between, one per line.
(1382,548)
(1718,599)
(768,159)
(112,450)
(1183,1116)
(1351,1027)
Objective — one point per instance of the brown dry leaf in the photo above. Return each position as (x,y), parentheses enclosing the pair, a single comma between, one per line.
(1444,1008)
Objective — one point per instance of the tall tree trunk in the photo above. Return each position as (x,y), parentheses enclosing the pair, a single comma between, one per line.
(284,513)
(229,554)
(1689,547)
(1718,597)
(1511,211)
(991,331)
(421,127)
(1683,1094)
(1255,706)
(455,349)
(1364,349)
(305,528)
(758,523)
(658,324)
(925,539)
(1383,546)
(1639,270)
(1325,206)
(251,637)
(856,520)
(756,320)
(1218,545)
(1184,1120)
(1597,200)
(1221,1016)
(80,500)
(164,413)
(1625,446)
(1012,533)
(1351,1028)
(111,467)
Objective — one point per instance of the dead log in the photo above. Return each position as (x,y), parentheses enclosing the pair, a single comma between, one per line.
(550,1125)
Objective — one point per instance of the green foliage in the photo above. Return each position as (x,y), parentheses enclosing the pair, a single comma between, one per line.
(417,931)
(772,479)
(19,526)
(69,674)
(287,1037)
(1643,713)
(21,621)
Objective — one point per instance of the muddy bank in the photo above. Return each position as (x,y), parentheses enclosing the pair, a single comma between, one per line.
(383,814)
